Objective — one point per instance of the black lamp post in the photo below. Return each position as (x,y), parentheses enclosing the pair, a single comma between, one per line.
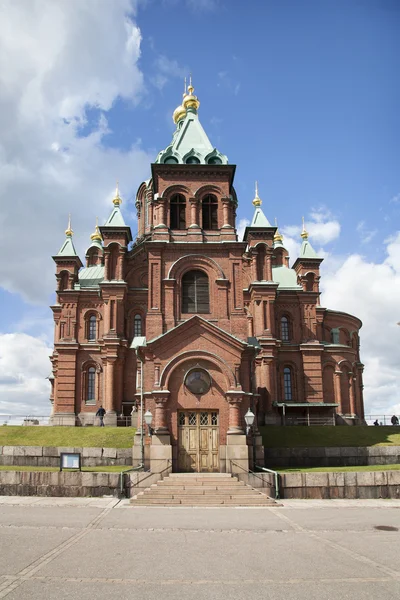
(249,418)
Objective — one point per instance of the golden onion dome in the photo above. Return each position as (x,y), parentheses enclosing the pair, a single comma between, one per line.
(96,235)
(190,100)
(179,114)
(257,200)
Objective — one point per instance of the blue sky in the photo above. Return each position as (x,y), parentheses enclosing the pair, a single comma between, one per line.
(301,95)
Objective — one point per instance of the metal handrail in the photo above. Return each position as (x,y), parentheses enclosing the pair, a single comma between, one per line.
(277,493)
(276,474)
(150,474)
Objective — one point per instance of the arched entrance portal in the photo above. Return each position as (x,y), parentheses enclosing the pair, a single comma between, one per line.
(198,415)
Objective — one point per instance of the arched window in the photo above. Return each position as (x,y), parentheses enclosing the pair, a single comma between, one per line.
(310,278)
(195,293)
(178,212)
(192,160)
(137,326)
(112,262)
(287,384)
(91,385)
(63,285)
(209,207)
(92,328)
(285,329)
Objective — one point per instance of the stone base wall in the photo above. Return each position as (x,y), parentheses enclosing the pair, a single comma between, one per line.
(47,456)
(62,484)
(351,485)
(331,457)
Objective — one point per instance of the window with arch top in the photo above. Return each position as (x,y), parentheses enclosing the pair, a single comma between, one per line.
(178,212)
(91,385)
(287,384)
(209,209)
(137,326)
(92,328)
(195,293)
(285,329)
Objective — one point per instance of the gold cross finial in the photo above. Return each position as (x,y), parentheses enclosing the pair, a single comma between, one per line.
(304,233)
(257,200)
(68,231)
(117,198)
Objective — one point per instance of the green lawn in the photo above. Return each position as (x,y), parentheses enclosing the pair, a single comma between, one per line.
(340,469)
(297,436)
(113,469)
(77,437)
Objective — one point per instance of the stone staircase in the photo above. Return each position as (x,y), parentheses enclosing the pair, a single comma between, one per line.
(201,489)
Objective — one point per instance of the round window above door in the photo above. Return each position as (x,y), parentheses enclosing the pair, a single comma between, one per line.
(198,381)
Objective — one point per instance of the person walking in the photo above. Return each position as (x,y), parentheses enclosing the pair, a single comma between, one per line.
(394,420)
(100,413)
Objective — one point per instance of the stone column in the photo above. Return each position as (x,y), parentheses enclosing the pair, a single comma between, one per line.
(268,264)
(193,212)
(106,264)
(120,264)
(111,416)
(351,394)
(234,398)
(225,212)
(160,417)
(338,391)
(254,274)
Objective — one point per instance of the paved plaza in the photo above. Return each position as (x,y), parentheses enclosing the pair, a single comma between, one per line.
(60,548)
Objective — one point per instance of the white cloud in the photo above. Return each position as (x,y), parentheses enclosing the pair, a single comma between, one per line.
(241,226)
(56,60)
(167,68)
(322,227)
(366,235)
(371,291)
(24,366)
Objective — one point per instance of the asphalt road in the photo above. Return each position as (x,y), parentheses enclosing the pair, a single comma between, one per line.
(101,549)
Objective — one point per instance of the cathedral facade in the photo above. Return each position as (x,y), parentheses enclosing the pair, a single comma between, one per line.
(194,325)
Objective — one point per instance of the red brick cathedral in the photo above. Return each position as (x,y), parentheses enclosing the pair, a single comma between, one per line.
(199,326)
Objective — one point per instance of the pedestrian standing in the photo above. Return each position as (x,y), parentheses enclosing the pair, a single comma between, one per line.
(100,413)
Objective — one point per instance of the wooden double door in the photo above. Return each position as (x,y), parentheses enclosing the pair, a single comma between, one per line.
(198,439)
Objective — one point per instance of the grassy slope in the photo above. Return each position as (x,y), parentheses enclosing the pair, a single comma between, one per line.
(88,437)
(290,437)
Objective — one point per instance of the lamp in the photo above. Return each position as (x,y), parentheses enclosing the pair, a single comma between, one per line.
(148,419)
(249,418)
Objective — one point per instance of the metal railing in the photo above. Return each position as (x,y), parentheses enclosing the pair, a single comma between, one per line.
(381,419)
(248,471)
(47,420)
(309,420)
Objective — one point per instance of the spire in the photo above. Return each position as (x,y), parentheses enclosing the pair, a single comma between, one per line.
(180,111)
(257,200)
(306,250)
(116,219)
(278,237)
(190,101)
(68,231)
(304,233)
(96,235)
(68,248)
(117,201)
(259,219)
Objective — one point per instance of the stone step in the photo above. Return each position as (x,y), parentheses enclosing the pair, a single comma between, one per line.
(199,483)
(187,474)
(198,490)
(222,501)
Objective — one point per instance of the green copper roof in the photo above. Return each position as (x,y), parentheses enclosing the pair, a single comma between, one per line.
(115,219)
(95,244)
(286,278)
(190,144)
(91,276)
(259,219)
(68,248)
(307,251)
